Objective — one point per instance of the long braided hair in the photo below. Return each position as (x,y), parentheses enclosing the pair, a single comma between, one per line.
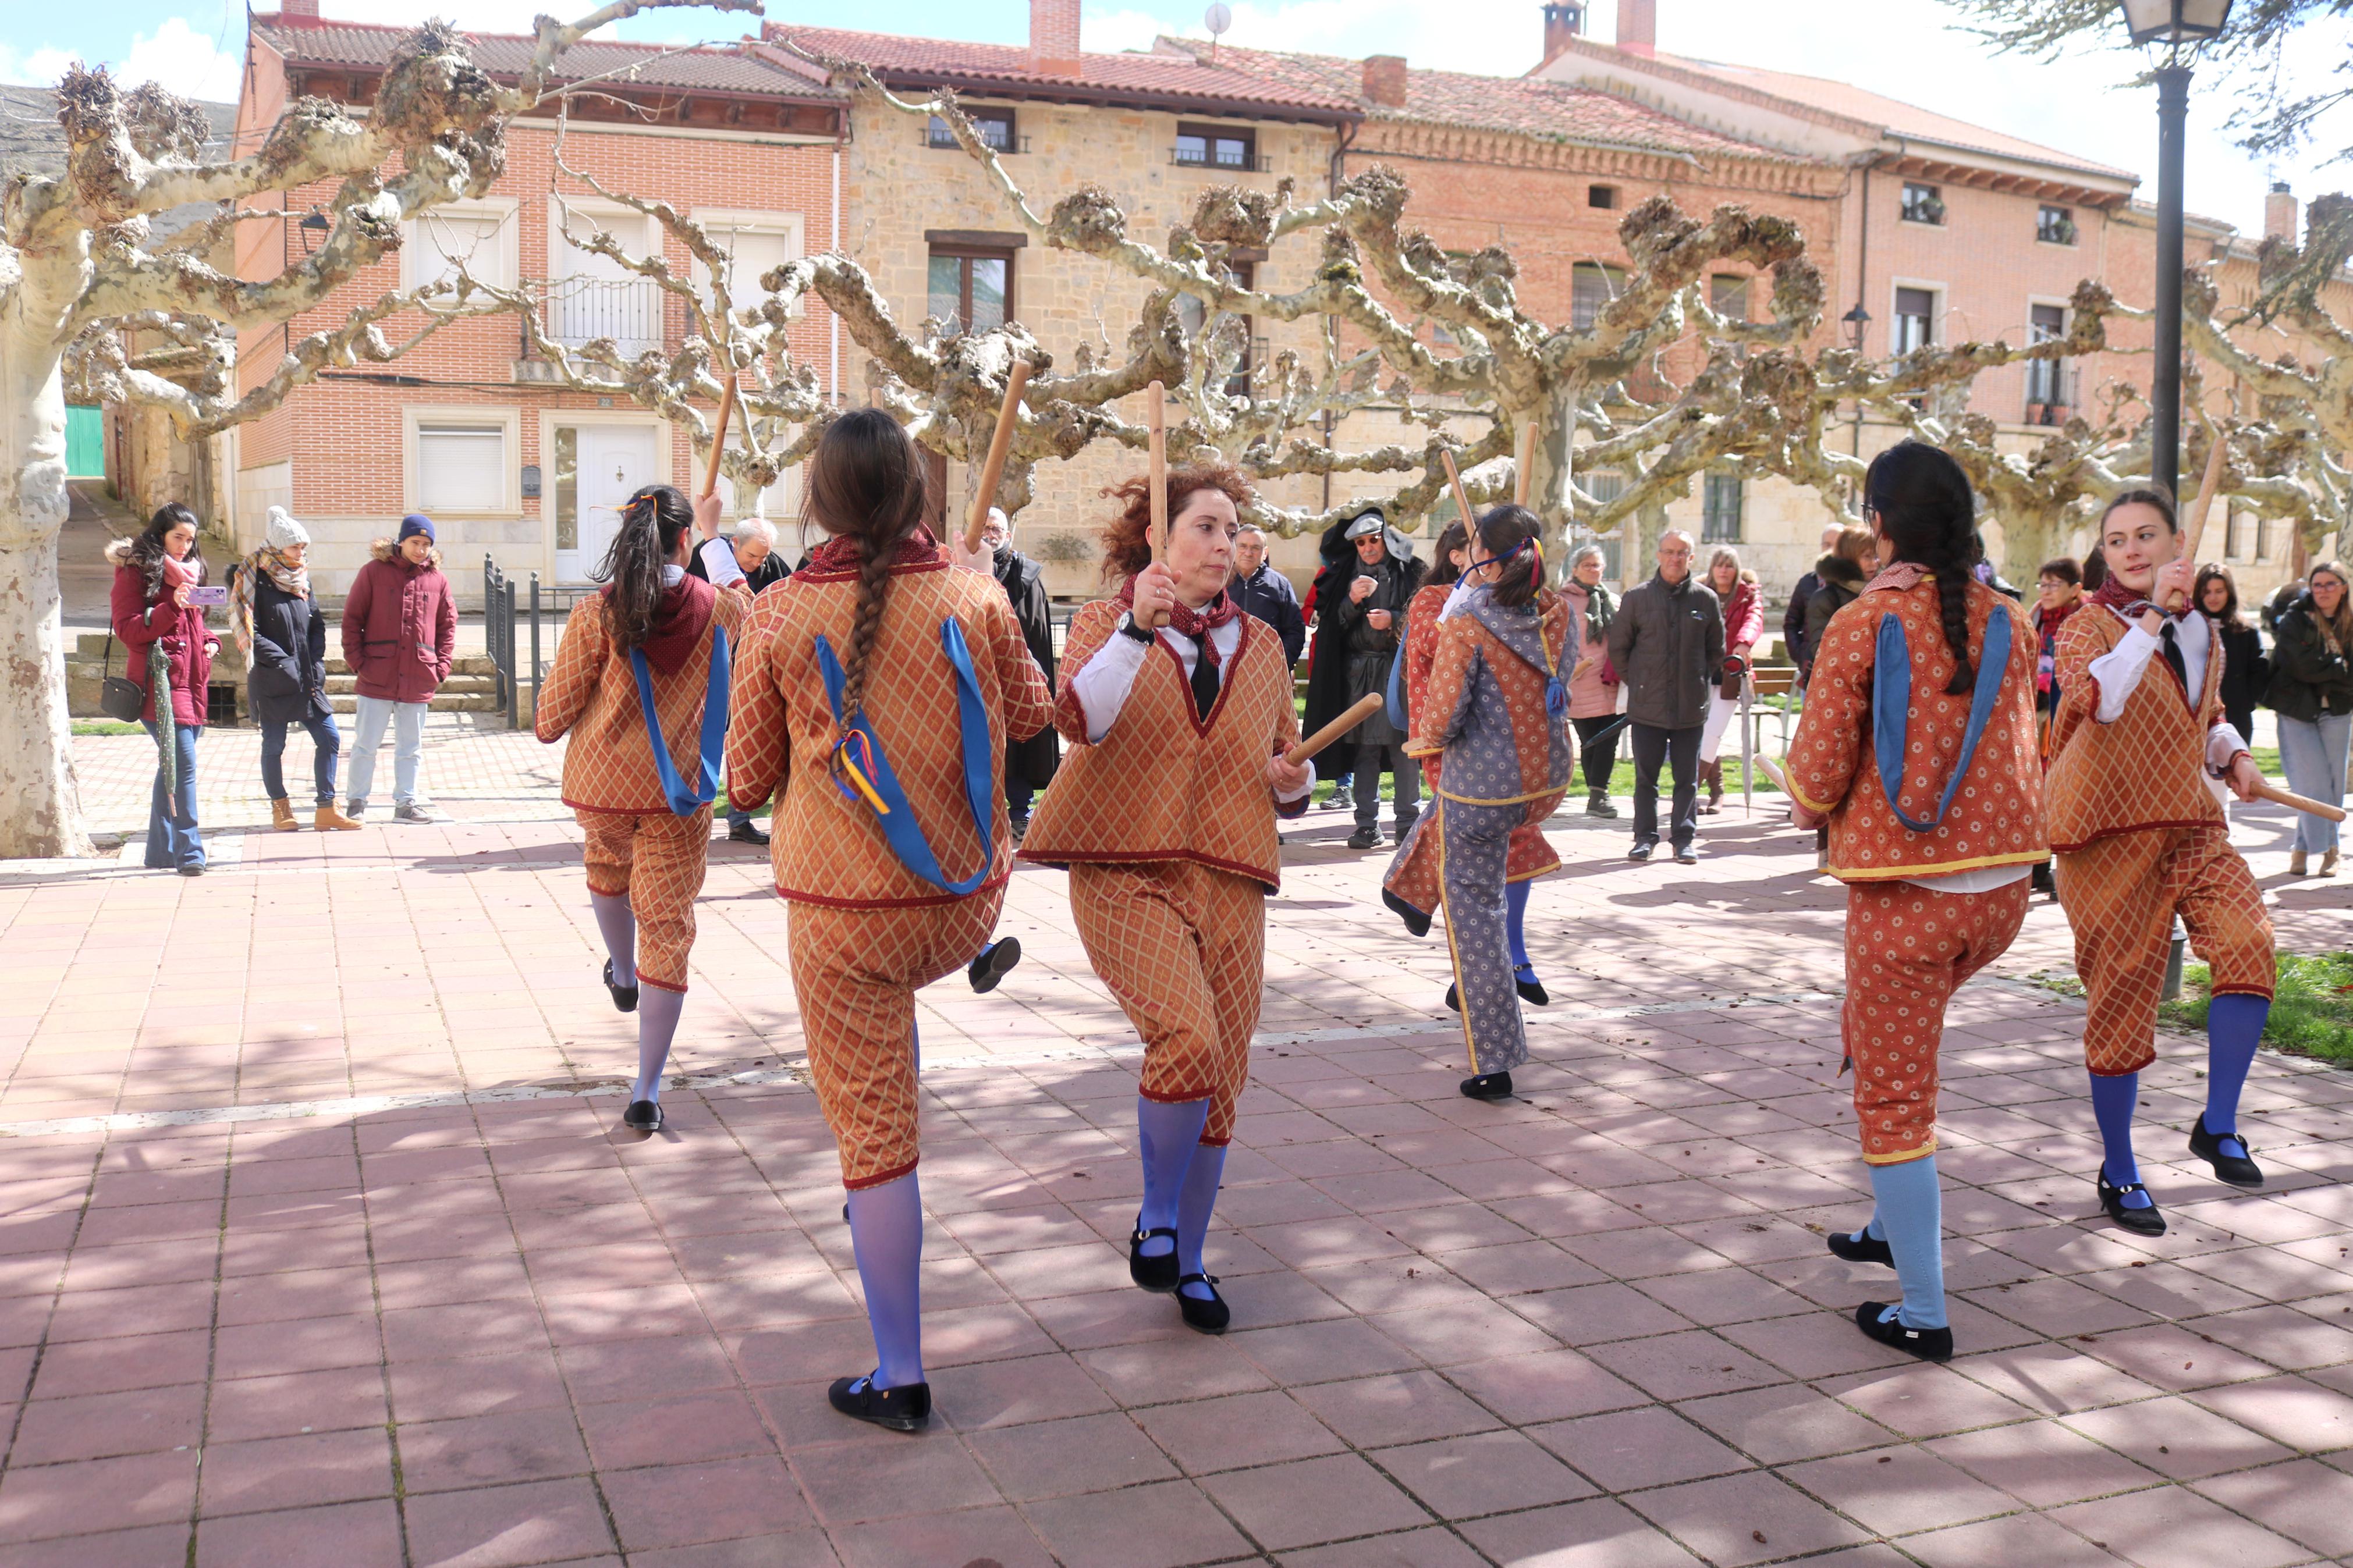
(1926,508)
(651,521)
(866,488)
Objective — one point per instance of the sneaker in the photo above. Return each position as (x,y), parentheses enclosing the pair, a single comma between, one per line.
(1685,855)
(418,813)
(192,868)
(1020,828)
(1365,837)
(1642,848)
(355,809)
(1398,833)
(1598,805)
(746,833)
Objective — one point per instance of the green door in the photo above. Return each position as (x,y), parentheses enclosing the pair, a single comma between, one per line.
(85,443)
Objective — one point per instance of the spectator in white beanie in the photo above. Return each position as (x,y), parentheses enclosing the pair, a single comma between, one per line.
(284,636)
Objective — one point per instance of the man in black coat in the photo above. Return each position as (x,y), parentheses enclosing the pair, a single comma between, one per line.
(1667,641)
(1028,764)
(1327,655)
(762,563)
(1368,613)
(1793,619)
(1266,592)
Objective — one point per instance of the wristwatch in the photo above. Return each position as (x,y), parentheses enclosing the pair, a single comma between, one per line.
(1127,627)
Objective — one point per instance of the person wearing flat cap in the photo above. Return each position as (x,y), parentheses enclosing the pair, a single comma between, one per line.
(1366,614)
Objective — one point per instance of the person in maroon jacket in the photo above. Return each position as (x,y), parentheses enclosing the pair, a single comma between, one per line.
(154,570)
(400,633)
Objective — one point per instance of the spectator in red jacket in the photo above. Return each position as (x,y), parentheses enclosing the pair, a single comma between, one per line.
(400,633)
(154,570)
(1744,627)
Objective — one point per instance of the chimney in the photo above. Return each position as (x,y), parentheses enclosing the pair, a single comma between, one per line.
(2280,214)
(1054,37)
(1385,81)
(1563,20)
(297,10)
(1637,26)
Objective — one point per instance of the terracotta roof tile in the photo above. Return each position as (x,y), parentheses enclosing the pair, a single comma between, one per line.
(710,69)
(1170,78)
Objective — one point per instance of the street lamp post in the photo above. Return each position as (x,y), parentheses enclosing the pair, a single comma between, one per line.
(2172,27)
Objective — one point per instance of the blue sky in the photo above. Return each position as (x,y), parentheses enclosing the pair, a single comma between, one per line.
(1903,48)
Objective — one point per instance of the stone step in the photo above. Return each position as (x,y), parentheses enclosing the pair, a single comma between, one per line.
(456,685)
(444,701)
(464,664)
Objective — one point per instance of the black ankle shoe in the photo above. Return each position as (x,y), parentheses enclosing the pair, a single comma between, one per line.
(2139,1221)
(1453,997)
(1929,1344)
(1870,1249)
(994,962)
(1488,1086)
(643,1116)
(1415,921)
(1364,838)
(1153,1273)
(1531,990)
(1209,1316)
(1641,850)
(624,997)
(907,1408)
(2239,1170)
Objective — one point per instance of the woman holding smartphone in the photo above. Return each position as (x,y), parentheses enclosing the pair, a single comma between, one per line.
(159,574)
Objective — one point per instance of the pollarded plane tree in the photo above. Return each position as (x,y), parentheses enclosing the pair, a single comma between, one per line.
(83,294)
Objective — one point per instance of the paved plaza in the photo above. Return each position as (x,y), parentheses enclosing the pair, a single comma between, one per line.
(322,1247)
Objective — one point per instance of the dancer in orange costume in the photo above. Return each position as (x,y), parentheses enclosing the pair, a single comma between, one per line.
(880,686)
(2140,838)
(647,661)
(1917,747)
(1164,812)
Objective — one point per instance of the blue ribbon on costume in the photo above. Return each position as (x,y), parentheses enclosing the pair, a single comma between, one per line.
(878,786)
(1891,705)
(685,802)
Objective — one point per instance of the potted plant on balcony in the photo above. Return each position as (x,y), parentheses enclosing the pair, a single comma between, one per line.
(2034,414)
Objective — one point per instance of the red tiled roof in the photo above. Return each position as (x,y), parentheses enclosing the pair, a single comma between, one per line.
(1140,80)
(710,69)
(1522,106)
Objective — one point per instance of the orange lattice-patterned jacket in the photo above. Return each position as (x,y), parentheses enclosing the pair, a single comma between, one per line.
(2146,770)
(591,694)
(1996,816)
(827,850)
(1161,785)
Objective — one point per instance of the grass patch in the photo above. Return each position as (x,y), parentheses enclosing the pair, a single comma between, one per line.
(2312,1012)
(105,727)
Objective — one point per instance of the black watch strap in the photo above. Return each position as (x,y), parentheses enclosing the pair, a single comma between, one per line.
(1127,627)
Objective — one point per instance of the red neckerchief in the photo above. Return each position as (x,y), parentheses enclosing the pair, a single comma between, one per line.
(839,552)
(1195,623)
(679,619)
(2124,601)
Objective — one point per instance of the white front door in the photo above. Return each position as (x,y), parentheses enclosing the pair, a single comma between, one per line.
(614,460)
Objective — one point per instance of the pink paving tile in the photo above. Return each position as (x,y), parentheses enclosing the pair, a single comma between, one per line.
(298,1402)
(2304,1500)
(1430,1548)
(1166,1368)
(2041,1462)
(2177,1438)
(1596,1534)
(1742,1518)
(1551,1387)
(501,1527)
(1396,1407)
(109,1366)
(476,1385)
(995,1534)
(139,1310)
(350,1535)
(2172,1357)
(2056,1378)
(156,1544)
(1009,1392)
(638,1369)
(1896,1490)
(490,1450)
(788,1548)
(677,1429)
(1163,1525)
(1589,1314)
(101,1426)
(1058,1459)
(1239,1430)
(1924,1400)
(40,1501)
(2172,1527)
(682,1505)
(1488,1472)
(1650,1447)
(2287,1338)
(853,1482)
(274,1473)
(2019,1538)
(1310,1501)
(2302,1414)
(261,1350)
(1688,1365)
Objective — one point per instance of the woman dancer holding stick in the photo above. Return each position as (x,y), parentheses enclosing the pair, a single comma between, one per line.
(1178,710)
(879,685)
(1494,724)
(1918,749)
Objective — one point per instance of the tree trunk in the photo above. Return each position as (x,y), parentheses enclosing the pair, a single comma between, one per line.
(1650,524)
(2029,536)
(40,802)
(1549,486)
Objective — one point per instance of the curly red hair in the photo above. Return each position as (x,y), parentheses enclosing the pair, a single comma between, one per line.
(1126,539)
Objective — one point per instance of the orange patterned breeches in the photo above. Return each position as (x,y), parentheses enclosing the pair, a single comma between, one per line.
(856,973)
(1184,949)
(2121,894)
(655,861)
(1909,949)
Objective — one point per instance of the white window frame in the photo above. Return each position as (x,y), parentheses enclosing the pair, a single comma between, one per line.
(502,208)
(1937,291)
(599,213)
(510,505)
(792,226)
(2066,325)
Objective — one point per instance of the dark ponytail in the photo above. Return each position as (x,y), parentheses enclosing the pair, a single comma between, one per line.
(1502,531)
(866,488)
(651,521)
(1929,516)
(1443,572)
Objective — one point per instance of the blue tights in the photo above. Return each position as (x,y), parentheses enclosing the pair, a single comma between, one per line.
(886,1232)
(1180,1180)
(1515,927)
(2234,1026)
(1908,1214)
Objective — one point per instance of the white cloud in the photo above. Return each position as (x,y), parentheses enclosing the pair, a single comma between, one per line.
(175,55)
(36,68)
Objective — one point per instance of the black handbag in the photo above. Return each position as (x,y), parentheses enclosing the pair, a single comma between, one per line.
(120,697)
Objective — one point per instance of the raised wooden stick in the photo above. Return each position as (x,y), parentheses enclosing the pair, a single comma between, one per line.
(993,469)
(1772,770)
(2278,796)
(1155,425)
(1461,495)
(1363,709)
(2193,522)
(1523,467)
(719,437)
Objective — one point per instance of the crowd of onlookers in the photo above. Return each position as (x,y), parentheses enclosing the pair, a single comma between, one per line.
(1666,662)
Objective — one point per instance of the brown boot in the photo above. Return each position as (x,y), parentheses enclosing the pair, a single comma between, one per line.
(329,820)
(1712,775)
(2327,863)
(282,816)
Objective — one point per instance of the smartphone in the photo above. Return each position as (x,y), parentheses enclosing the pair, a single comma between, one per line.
(208,598)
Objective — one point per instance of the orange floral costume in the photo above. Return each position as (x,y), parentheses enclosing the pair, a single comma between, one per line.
(866,932)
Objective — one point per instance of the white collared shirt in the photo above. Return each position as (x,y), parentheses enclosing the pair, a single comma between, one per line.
(2119,672)
(1101,685)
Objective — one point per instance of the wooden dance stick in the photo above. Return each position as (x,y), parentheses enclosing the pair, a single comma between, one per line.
(1461,495)
(2278,796)
(1772,770)
(993,469)
(1365,707)
(1155,425)
(1524,466)
(719,437)
(2193,522)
